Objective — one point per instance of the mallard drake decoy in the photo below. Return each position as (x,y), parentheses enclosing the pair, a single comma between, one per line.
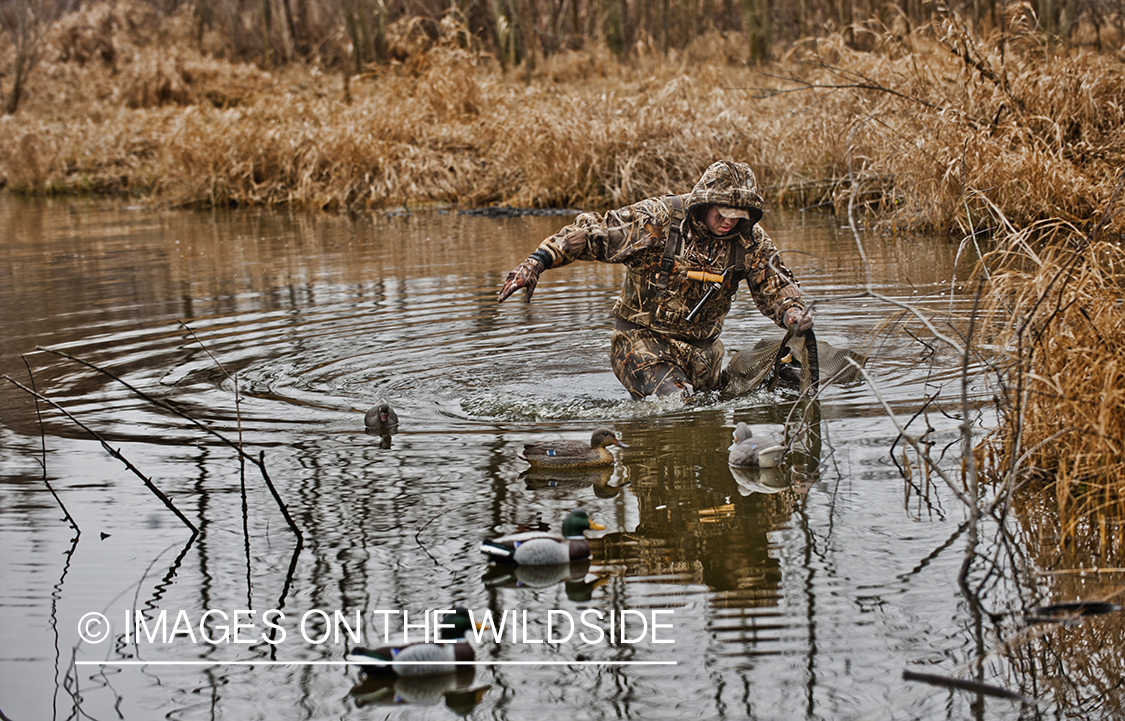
(421,658)
(574,454)
(381,418)
(456,689)
(789,371)
(536,548)
(750,452)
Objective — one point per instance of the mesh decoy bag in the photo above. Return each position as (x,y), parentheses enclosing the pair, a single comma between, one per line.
(751,368)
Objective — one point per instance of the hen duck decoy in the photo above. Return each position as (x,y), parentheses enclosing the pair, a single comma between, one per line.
(573,454)
(422,658)
(536,548)
(750,452)
(381,418)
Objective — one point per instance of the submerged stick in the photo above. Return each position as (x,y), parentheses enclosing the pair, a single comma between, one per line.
(965,685)
(113,452)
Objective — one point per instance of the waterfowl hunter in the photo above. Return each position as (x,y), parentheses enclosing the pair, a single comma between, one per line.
(750,452)
(421,658)
(573,454)
(537,548)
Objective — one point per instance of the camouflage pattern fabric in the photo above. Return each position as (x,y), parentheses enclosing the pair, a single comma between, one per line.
(636,236)
(645,362)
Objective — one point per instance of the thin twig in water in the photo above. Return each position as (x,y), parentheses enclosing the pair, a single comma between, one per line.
(233,377)
(423,546)
(259,462)
(113,452)
(43,444)
(241,458)
(909,438)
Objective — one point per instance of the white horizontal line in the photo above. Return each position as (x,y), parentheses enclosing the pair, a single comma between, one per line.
(376,663)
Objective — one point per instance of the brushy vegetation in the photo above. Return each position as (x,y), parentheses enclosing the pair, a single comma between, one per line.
(1059,305)
(124,102)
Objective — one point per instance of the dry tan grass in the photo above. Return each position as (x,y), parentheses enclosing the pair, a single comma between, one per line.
(1063,407)
(124,104)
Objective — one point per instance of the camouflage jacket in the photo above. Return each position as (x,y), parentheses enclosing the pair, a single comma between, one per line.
(637,236)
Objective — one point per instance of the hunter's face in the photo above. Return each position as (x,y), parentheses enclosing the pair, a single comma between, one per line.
(717,223)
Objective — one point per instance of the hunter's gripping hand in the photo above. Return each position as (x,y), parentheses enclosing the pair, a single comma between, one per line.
(525,275)
(800,318)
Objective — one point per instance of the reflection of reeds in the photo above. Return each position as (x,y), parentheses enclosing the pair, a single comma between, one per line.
(926,114)
(1078,663)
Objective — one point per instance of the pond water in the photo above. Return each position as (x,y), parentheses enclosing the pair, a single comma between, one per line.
(277,331)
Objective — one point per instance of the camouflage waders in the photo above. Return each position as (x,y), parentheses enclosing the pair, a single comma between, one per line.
(646,362)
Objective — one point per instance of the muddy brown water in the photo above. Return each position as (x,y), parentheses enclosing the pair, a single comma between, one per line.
(741,598)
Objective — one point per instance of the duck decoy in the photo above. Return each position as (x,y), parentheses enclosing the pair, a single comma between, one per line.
(750,452)
(789,371)
(422,658)
(573,454)
(381,418)
(535,548)
(455,689)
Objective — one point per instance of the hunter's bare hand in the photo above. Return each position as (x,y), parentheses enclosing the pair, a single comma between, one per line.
(800,318)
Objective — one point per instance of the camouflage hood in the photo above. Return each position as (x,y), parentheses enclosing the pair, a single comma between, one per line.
(727,183)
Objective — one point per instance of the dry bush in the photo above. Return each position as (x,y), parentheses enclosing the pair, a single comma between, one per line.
(918,120)
(1062,431)
(928,116)
(108,57)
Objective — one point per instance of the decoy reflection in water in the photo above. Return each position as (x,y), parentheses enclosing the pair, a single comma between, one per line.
(750,479)
(748,451)
(421,658)
(456,689)
(573,575)
(573,454)
(381,419)
(539,479)
(537,525)
(536,548)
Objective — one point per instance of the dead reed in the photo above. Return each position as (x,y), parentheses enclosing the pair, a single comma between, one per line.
(1061,324)
(123,103)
